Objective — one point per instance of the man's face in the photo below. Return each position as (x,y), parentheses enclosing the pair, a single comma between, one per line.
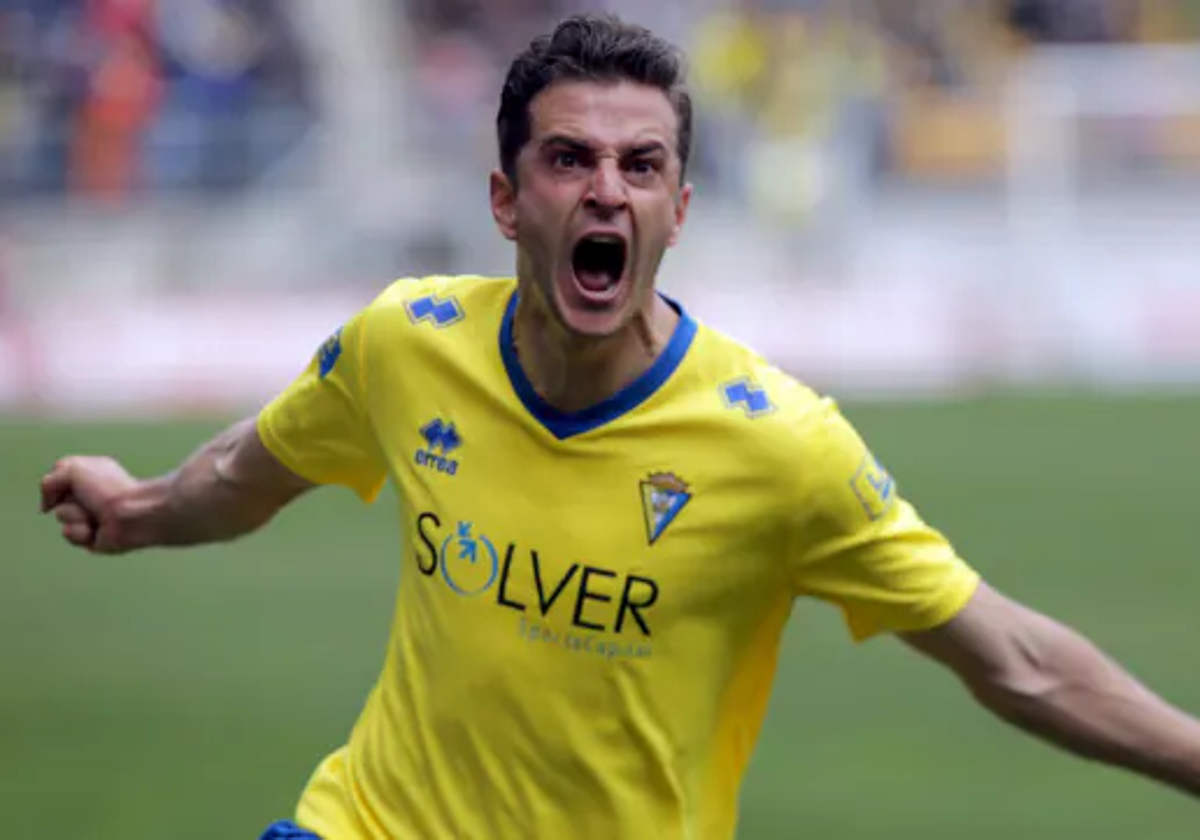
(598,200)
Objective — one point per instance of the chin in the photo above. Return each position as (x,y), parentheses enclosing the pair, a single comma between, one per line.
(593,324)
(591,319)
(594,291)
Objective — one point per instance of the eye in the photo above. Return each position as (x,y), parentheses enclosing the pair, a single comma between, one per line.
(643,166)
(565,159)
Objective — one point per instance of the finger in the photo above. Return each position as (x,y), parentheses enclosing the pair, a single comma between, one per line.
(80,534)
(72,513)
(55,486)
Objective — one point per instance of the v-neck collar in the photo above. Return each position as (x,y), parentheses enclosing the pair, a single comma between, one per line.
(563,424)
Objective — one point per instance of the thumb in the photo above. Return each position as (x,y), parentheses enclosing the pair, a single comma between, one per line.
(107,540)
(114,532)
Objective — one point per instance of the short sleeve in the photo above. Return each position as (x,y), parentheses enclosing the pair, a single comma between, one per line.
(858,544)
(319,427)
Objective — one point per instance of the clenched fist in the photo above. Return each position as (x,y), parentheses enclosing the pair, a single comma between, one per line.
(83,493)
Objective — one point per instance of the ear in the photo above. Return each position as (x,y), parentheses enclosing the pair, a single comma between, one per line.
(504,204)
(681,208)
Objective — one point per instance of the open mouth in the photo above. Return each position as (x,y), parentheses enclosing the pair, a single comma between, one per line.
(599,264)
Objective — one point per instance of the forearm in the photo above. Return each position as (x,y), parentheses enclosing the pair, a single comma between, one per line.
(218,494)
(1073,696)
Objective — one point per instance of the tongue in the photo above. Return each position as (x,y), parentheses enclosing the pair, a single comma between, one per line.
(594,279)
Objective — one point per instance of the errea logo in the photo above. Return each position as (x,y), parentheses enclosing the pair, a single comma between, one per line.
(441,439)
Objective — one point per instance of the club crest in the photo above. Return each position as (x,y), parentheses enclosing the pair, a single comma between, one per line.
(664,495)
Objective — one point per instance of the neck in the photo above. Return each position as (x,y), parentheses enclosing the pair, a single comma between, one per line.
(572,372)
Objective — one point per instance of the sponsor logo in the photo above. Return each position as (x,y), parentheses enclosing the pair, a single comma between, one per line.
(581,607)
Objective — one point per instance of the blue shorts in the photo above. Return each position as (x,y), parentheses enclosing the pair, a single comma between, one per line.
(287,830)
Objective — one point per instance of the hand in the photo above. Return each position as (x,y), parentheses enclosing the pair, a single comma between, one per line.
(82,492)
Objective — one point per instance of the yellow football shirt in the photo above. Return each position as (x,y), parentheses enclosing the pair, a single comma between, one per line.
(590,605)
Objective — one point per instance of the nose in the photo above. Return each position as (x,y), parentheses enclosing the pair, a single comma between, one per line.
(606,192)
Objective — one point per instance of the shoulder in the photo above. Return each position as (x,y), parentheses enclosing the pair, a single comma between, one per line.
(789,446)
(780,425)
(434,311)
(794,438)
(441,301)
(755,394)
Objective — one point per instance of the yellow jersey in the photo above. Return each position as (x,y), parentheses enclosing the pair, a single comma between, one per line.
(591,604)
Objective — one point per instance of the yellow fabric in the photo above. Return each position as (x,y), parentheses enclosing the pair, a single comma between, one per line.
(587,624)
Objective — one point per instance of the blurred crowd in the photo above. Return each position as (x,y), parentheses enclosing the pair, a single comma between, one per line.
(811,99)
(112,99)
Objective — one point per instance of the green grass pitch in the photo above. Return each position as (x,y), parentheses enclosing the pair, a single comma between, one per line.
(189,695)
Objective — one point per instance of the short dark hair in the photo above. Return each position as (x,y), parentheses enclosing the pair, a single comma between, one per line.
(590,47)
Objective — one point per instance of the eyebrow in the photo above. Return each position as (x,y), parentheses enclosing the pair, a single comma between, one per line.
(574,143)
(564,140)
(649,148)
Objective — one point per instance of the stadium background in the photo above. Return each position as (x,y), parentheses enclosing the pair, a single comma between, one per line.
(974,222)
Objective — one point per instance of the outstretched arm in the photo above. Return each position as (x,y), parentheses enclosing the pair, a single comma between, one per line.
(1048,680)
(229,487)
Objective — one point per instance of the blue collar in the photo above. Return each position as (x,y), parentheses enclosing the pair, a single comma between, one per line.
(564,424)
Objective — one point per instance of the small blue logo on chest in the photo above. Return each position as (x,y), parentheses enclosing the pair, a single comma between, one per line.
(441,440)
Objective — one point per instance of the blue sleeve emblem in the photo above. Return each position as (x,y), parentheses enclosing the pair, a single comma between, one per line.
(329,353)
(441,312)
(874,487)
(747,395)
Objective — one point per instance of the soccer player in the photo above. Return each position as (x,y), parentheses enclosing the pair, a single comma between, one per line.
(610,511)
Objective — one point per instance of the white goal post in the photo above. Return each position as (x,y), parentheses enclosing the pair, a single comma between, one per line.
(1057,209)
(1102,222)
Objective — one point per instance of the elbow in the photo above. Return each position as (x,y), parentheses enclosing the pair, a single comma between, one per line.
(1017,694)
(1029,678)
(1048,675)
